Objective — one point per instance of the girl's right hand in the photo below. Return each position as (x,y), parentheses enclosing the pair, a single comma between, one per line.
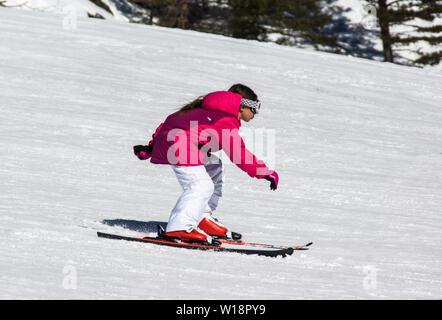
(274,179)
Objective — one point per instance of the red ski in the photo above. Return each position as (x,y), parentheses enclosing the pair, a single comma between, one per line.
(218,245)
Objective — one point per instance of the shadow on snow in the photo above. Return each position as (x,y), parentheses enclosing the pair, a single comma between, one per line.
(139,226)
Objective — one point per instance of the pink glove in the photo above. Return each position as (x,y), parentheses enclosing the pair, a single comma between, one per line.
(273,178)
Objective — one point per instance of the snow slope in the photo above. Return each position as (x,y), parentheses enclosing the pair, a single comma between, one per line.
(358,151)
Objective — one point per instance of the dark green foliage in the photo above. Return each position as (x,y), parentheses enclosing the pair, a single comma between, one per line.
(301,19)
(298,21)
(248,19)
(187,14)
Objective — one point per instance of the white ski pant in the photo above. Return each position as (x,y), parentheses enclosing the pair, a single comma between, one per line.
(202,188)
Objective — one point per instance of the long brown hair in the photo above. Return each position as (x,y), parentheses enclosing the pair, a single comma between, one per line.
(239,88)
(197,103)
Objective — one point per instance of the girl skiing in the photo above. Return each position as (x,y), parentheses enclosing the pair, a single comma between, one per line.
(186,139)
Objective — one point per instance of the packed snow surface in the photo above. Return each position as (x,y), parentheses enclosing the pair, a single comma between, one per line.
(357,145)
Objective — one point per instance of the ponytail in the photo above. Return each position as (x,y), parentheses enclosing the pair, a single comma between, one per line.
(197,103)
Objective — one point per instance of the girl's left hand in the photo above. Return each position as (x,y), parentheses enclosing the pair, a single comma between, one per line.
(143,152)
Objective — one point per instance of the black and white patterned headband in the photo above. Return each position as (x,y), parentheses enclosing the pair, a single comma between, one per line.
(254,105)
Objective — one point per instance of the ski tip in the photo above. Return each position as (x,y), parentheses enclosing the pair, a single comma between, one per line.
(304,247)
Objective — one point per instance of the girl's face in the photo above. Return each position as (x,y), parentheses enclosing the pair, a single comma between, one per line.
(245,114)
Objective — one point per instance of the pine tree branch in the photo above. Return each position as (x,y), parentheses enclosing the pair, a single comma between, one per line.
(435,29)
(431,40)
(429,58)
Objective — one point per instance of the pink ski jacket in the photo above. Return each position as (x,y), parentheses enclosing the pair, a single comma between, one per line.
(187,139)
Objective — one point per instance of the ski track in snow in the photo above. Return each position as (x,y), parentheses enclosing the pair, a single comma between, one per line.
(358,151)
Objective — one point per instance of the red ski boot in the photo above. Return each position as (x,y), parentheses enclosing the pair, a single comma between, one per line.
(213,227)
(192,236)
